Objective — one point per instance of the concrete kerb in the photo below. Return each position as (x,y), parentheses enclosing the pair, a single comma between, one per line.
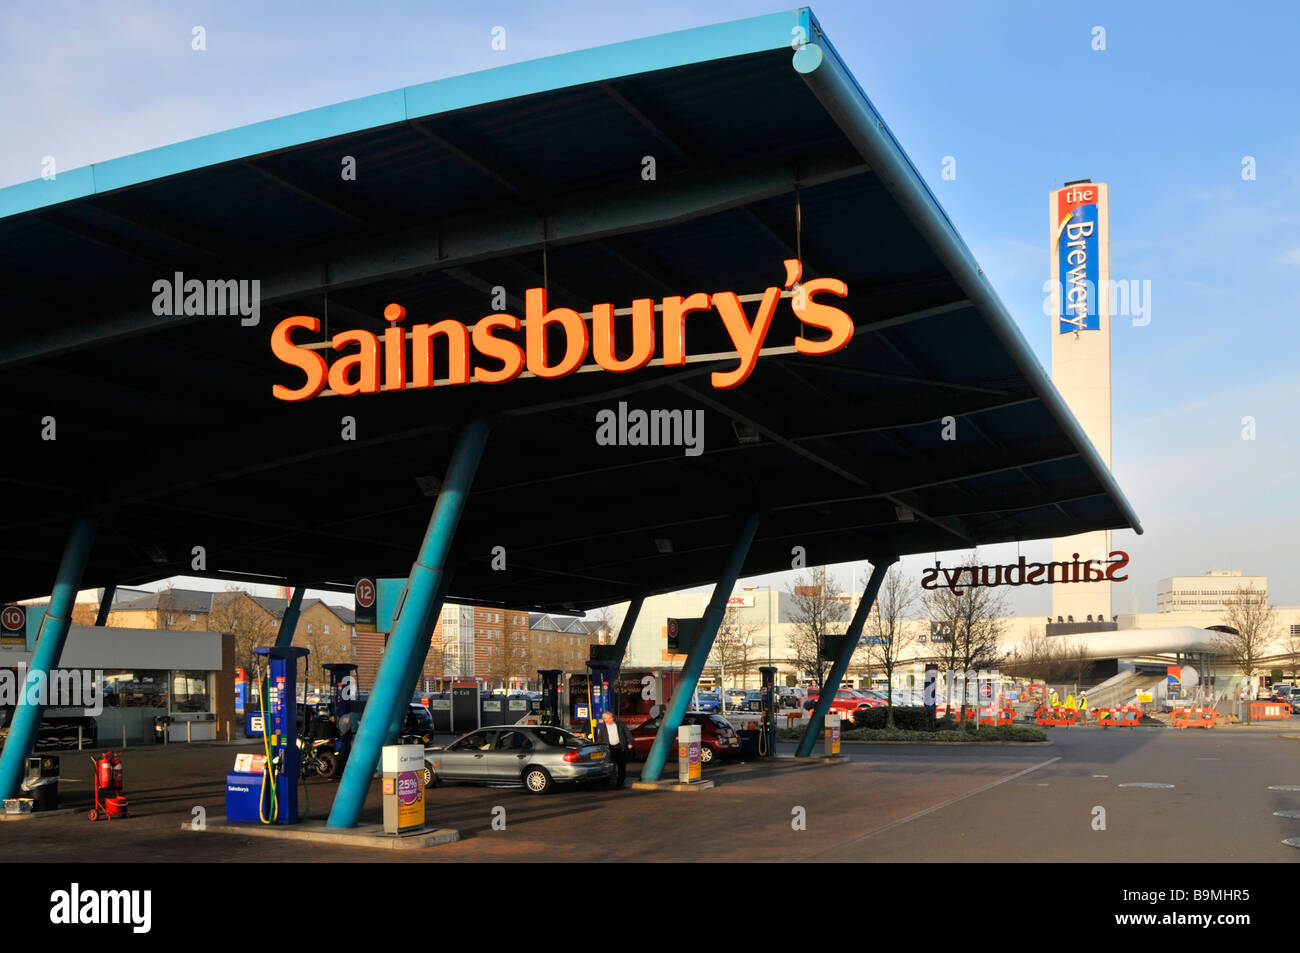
(680,787)
(57,812)
(955,744)
(370,836)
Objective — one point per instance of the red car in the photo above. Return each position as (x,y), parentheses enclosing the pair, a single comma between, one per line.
(846,702)
(717,738)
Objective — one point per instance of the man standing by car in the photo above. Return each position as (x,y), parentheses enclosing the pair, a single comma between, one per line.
(615,734)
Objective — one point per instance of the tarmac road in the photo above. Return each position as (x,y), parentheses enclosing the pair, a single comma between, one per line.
(890,803)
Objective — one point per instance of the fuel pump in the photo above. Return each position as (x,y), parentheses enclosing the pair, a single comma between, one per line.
(767,705)
(342,701)
(550,695)
(600,682)
(266,791)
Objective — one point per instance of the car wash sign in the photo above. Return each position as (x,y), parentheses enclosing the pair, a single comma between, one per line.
(1080,218)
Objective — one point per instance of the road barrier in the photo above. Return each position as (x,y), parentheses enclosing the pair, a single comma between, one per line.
(959,715)
(1268,711)
(1119,717)
(1056,717)
(1195,717)
(995,717)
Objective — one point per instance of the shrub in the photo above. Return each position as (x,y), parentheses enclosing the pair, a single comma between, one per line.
(911,718)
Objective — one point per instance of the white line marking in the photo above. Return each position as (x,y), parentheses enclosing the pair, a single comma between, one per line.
(1101,775)
(938,807)
(1144,784)
(1284,787)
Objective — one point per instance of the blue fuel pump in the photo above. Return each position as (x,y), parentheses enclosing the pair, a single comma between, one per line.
(342,701)
(600,681)
(271,796)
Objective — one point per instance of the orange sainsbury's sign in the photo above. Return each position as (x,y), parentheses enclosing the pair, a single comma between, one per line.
(404,359)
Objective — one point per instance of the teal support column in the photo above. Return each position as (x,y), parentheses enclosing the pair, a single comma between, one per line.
(817,719)
(105,604)
(289,621)
(699,653)
(50,638)
(412,673)
(625,631)
(411,629)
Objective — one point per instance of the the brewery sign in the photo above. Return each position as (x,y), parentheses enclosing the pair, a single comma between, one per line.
(1078,252)
(1022,573)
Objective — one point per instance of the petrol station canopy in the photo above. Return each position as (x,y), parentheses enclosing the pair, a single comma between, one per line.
(692,162)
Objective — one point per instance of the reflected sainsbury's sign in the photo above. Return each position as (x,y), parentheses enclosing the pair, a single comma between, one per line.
(1026,574)
(492,351)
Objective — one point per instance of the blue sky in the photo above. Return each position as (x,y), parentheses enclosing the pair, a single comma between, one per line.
(1013,91)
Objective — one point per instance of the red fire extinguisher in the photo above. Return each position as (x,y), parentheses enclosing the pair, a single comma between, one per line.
(104,772)
(117,774)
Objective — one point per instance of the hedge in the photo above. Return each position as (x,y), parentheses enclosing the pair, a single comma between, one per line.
(913,718)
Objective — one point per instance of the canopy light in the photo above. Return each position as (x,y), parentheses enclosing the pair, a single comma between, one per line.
(745,434)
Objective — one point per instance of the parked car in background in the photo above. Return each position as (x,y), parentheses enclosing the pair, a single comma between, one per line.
(717,738)
(845,702)
(538,757)
(708,701)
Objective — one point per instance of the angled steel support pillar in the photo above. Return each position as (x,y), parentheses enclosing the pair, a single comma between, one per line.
(289,621)
(817,718)
(625,630)
(412,674)
(410,635)
(699,653)
(105,604)
(50,639)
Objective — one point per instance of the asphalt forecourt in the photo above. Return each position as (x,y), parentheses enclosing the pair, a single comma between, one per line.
(889,802)
(756,812)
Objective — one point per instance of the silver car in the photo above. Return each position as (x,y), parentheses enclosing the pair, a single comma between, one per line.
(538,757)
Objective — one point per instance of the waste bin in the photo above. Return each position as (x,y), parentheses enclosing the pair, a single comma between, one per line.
(41,781)
(748,742)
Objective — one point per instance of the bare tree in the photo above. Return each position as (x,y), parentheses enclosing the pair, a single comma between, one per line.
(973,615)
(1252,630)
(1035,658)
(887,633)
(251,625)
(604,619)
(816,611)
(733,646)
(165,608)
(322,649)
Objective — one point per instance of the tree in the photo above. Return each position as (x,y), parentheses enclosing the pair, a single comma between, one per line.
(604,620)
(250,624)
(973,615)
(816,611)
(323,649)
(1249,632)
(887,632)
(733,646)
(165,603)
